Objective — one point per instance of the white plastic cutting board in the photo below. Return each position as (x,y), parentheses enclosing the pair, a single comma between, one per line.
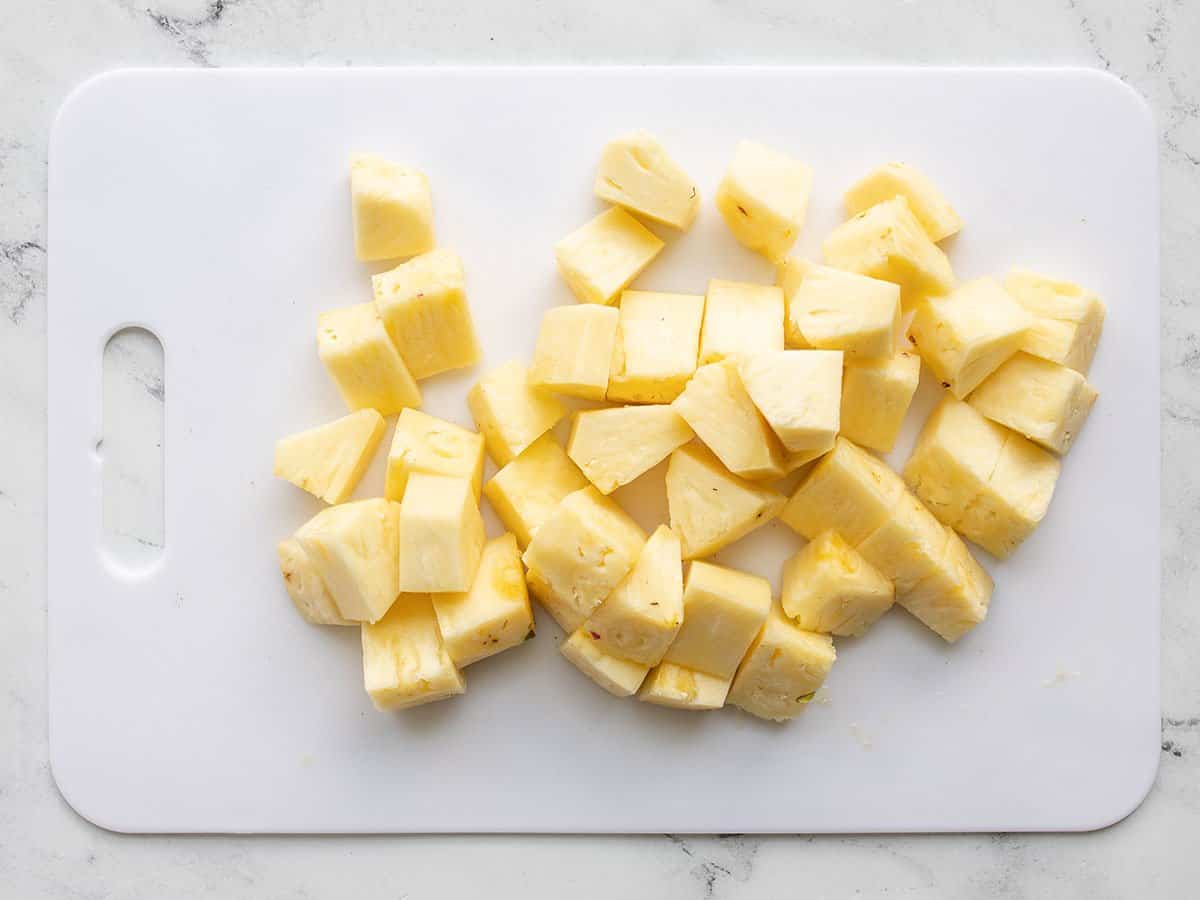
(212,207)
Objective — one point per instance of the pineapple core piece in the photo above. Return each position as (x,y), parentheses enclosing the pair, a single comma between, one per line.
(876,394)
(799,393)
(635,172)
(849,491)
(828,587)
(392,208)
(1067,320)
(308,592)
(510,412)
(600,259)
(723,610)
(682,688)
(782,670)
(574,350)
(405,662)
(363,362)
(656,346)
(441,534)
(328,461)
(740,318)
(764,198)
(422,443)
(526,491)
(896,179)
(835,310)
(614,446)
(353,549)
(620,677)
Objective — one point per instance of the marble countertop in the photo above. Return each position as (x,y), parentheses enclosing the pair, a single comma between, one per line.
(47,48)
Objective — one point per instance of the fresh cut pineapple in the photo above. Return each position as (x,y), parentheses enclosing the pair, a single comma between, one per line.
(599,260)
(363,362)
(510,412)
(405,663)
(1015,499)
(876,394)
(353,548)
(656,346)
(308,592)
(798,392)
(423,443)
(328,461)
(637,173)
(897,179)
(574,350)
(614,446)
(620,677)
(955,597)
(723,610)
(1067,319)
(392,207)
(848,490)
(829,588)
(764,198)
(526,491)
(682,688)
(908,546)
(836,310)
(740,318)
(441,534)
(783,668)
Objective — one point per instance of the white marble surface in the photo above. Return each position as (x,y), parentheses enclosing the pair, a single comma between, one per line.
(48,47)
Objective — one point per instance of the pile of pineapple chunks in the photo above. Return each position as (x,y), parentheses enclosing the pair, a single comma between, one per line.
(737,389)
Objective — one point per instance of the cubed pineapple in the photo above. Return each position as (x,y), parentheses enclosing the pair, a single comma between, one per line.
(574,350)
(620,677)
(614,446)
(790,273)
(1067,319)
(710,507)
(828,587)
(1042,400)
(876,394)
(682,688)
(740,318)
(642,615)
(392,206)
(896,179)
(954,599)
(836,310)
(600,259)
(908,547)
(849,491)
(422,443)
(581,553)
(782,670)
(328,461)
(656,346)
(965,336)
(494,614)
(353,549)
(798,392)
(764,198)
(405,662)
(723,610)
(423,304)
(717,407)
(363,362)
(510,412)
(308,592)
(637,173)
(528,489)
(441,534)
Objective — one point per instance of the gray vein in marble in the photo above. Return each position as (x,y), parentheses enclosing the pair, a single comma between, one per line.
(21,277)
(1089,32)
(734,860)
(188,32)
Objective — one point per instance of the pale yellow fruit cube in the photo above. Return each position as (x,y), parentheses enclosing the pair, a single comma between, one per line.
(637,173)
(790,273)
(510,412)
(441,534)
(574,350)
(423,443)
(723,610)
(682,688)
(955,598)
(494,614)
(836,310)
(717,407)
(799,393)
(710,507)
(876,395)
(363,362)
(600,259)
(740,318)
(353,549)
(848,490)
(527,490)
(620,677)
(328,461)
(614,446)
(405,662)
(897,179)
(1067,319)
(908,546)
(642,615)
(656,346)
(308,592)
(1042,400)
(392,207)
(782,670)
(965,336)
(828,587)
(423,304)
(764,198)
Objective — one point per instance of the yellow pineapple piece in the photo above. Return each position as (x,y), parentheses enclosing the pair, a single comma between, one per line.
(740,318)
(600,259)
(393,208)
(308,592)
(799,393)
(848,490)
(764,198)
(635,172)
(828,587)
(422,443)
(574,350)
(876,394)
(790,273)
(782,670)
(682,688)
(363,362)
(441,534)
(835,310)
(896,179)
(328,461)
(908,546)
(955,597)
(620,677)
(614,446)
(1067,319)
(723,610)
(405,663)
(353,548)
(526,491)
(656,346)
(510,412)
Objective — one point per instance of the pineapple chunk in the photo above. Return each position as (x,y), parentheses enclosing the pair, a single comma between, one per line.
(422,443)
(723,610)
(574,350)
(494,614)
(895,179)
(526,491)
(308,592)
(764,198)
(1067,320)
(614,446)
(423,304)
(908,547)
(363,362)
(510,412)
(799,393)
(740,318)
(328,461)
(581,553)
(1042,400)
(600,259)
(835,310)
(620,677)
(789,275)
(393,209)
(405,662)
(782,670)
(353,548)
(441,534)
(716,406)
(828,587)
(711,508)
(656,346)
(682,688)
(642,615)
(849,491)
(966,336)
(887,242)
(876,394)
(954,599)
(635,172)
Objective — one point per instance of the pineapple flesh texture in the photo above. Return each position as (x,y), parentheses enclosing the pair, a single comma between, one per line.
(620,677)
(740,318)
(308,592)
(799,393)
(405,662)
(422,443)
(848,490)
(526,492)
(896,179)
(908,547)
(441,534)
(790,273)
(876,395)
(764,198)
(328,461)
(836,310)
(511,413)
(723,610)
(682,688)
(392,209)
(363,362)
(782,670)
(656,346)
(574,350)
(1067,322)
(829,588)
(637,173)
(955,597)
(600,259)
(614,446)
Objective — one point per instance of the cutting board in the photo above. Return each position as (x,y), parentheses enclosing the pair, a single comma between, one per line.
(212,208)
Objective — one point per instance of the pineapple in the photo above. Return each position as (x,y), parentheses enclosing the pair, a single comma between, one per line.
(835,310)
(1067,320)
(441,534)
(740,318)
(528,489)
(328,461)
(896,179)
(363,362)
(422,443)
(954,598)
(723,610)
(308,592)
(656,346)
(908,546)
(635,172)
(828,587)
(510,412)
(782,670)
(876,394)
(620,677)
(353,548)
(799,393)
(1015,499)
(393,209)
(574,350)
(600,259)
(682,688)
(405,662)
(764,198)
(614,446)
(789,275)
(849,491)
(1042,400)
